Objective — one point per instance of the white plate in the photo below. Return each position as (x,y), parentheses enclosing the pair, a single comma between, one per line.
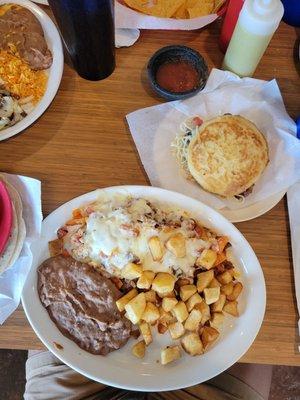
(120,368)
(55,71)
(42,2)
(254,210)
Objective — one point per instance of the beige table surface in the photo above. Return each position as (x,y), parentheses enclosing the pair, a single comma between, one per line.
(82,142)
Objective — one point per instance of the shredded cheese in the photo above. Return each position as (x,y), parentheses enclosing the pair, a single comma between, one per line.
(20,79)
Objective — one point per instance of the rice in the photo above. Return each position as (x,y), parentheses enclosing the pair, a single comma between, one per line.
(20,79)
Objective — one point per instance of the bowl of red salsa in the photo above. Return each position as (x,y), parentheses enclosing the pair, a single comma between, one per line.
(177,72)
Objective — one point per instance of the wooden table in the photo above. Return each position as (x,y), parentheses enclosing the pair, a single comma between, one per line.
(82,142)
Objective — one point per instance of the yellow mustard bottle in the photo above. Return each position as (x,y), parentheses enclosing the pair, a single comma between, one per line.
(258,21)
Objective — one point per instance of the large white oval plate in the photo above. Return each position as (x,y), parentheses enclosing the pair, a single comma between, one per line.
(55,71)
(120,368)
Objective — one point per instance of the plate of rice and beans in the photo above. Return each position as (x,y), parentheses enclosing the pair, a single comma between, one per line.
(31,65)
(139,282)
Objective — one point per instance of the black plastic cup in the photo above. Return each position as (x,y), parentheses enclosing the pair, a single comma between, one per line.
(175,54)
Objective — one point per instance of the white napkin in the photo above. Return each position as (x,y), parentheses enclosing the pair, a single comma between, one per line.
(13,279)
(293,199)
(154,128)
(126,37)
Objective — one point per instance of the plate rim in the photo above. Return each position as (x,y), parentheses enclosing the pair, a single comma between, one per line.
(167,385)
(58,66)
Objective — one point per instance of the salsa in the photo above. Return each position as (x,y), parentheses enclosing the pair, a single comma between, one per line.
(177,76)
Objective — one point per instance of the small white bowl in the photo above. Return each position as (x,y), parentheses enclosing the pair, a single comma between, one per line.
(55,71)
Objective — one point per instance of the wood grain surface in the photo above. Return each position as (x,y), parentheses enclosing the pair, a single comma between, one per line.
(82,142)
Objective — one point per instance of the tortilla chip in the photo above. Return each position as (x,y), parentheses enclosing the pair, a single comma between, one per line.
(156,8)
(201,8)
(181,13)
(218,5)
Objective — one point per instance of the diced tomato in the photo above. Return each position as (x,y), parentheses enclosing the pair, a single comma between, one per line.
(199,230)
(197,121)
(61,232)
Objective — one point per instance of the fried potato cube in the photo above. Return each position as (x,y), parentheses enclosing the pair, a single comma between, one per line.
(162,328)
(139,349)
(227,289)
(122,301)
(231,308)
(207,259)
(204,279)
(217,320)
(225,278)
(166,317)
(146,332)
(209,335)
(150,296)
(214,283)
(221,257)
(169,303)
(187,291)
(180,311)
(55,247)
(205,311)
(131,271)
(135,308)
(151,313)
(238,287)
(176,330)
(222,242)
(219,304)
(192,301)
(156,248)
(162,295)
(193,320)
(163,283)
(170,354)
(192,344)
(211,295)
(176,245)
(182,282)
(145,280)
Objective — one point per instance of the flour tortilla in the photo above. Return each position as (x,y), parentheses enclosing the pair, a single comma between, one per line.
(18,230)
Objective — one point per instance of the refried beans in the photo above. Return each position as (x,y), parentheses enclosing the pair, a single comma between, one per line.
(81,302)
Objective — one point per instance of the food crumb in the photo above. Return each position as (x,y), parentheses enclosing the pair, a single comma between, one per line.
(58,346)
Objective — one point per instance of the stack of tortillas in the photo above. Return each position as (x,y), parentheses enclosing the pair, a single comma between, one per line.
(17,233)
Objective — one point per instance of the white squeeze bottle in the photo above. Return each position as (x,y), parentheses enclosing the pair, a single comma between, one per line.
(258,20)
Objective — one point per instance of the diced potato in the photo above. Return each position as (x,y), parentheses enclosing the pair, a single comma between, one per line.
(162,328)
(227,289)
(211,295)
(221,257)
(169,303)
(151,313)
(193,320)
(146,332)
(163,283)
(192,301)
(170,354)
(206,259)
(139,349)
(176,245)
(166,318)
(150,296)
(216,320)
(192,344)
(238,287)
(131,271)
(122,301)
(205,311)
(204,279)
(209,335)
(180,311)
(166,294)
(55,247)
(182,282)
(222,242)
(176,330)
(225,278)
(187,291)
(156,248)
(219,304)
(136,307)
(236,273)
(231,308)
(145,280)
(214,283)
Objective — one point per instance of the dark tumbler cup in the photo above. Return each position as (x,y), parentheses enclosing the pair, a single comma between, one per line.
(87,29)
